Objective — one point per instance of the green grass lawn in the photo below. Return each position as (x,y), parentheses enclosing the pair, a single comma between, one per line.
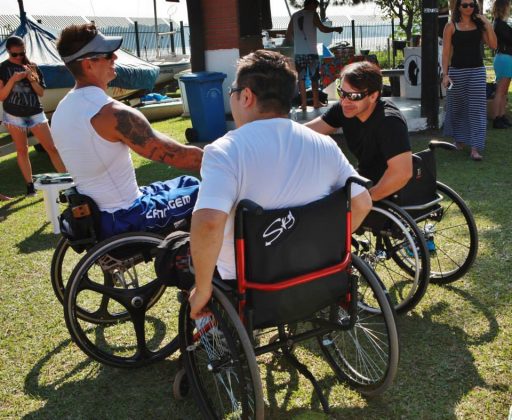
(456,345)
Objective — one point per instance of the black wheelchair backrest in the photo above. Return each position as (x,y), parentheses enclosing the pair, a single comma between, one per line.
(421,188)
(285,243)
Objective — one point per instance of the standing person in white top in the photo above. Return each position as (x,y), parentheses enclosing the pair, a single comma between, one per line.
(302,30)
(95,133)
(269,159)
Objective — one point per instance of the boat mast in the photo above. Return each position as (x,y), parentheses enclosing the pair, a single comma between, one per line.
(156,29)
(23,15)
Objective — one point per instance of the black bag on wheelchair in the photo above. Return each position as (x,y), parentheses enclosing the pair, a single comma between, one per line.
(286,243)
(172,263)
(80,222)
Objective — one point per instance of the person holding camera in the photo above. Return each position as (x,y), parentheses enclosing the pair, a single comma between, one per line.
(464,75)
(21,85)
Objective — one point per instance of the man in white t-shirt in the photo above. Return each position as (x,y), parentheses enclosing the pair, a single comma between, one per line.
(302,29)
(269,159)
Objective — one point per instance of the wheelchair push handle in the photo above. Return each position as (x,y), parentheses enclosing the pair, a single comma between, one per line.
(250,206)
(442,144)
(360,180)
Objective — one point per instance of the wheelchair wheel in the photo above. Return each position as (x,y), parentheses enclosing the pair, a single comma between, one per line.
(391,243)
(366,356)
(115,285)
(64,260)
(220,363)
(452,237)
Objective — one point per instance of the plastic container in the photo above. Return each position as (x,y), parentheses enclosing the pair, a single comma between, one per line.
(206,104)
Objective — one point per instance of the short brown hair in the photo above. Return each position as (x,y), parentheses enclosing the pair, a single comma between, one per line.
(363,75)
(72,39)
(270,77)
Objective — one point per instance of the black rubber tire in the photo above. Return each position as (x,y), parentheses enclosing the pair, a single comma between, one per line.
(374,330)
(454,256)
(398,255)
(180,386)
(223,349)
(128,312)
(58,275)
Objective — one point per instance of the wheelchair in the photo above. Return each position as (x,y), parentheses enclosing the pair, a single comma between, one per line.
(444,219)
(115,310)
(80,224)
(424,233)
(295,274)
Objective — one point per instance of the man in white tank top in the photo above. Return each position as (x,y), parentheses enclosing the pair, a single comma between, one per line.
(95,133)
(302,29)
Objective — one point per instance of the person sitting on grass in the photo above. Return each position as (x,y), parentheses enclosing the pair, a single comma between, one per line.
(95,134)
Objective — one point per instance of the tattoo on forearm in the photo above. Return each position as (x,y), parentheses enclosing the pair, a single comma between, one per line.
(133,128)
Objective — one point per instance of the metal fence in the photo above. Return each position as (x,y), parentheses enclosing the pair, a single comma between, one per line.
(141,41)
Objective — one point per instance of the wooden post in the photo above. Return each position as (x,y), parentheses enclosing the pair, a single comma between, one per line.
(430,63)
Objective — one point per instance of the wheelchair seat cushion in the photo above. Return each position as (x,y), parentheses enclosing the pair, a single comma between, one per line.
(285,243)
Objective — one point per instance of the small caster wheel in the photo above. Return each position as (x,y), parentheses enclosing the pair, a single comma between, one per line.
(180,386)
(191,135)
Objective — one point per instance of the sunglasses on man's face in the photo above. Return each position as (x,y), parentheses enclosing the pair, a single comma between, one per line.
(19,54)
(466,5)
(352,96)
(233,89)
(106,56)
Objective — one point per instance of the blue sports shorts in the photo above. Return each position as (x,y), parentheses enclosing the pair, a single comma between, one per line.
(162,204)
(503,65)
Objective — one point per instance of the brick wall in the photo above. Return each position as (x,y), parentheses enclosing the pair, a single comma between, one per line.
(221,24)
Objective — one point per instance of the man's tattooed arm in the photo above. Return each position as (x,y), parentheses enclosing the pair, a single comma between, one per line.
(137,133)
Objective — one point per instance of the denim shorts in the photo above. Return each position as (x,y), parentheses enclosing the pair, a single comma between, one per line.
(24,122)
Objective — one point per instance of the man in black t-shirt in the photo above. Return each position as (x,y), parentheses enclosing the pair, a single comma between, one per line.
(375,129)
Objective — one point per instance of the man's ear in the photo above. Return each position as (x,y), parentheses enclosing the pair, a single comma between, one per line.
(248,98)
(374,96)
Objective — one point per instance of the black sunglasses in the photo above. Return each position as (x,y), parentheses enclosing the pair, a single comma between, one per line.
(234,90)
(466,5)
(107,56)
(352,96)
(20,54)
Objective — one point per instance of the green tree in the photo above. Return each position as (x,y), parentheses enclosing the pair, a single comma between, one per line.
(324,4)
(408,13)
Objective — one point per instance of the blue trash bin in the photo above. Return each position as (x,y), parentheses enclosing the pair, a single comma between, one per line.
(206,104)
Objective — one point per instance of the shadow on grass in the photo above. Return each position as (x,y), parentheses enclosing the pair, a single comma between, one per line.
(86,389)
(37,241)
(436,376)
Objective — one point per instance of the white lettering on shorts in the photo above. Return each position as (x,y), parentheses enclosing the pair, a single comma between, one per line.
(172,204)
(278,227)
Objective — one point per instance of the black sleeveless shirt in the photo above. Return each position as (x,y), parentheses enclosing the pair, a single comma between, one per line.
(467,49)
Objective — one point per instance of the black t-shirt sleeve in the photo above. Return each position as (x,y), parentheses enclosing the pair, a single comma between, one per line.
(334,116)
(41,78)
(393,137)
(4,77)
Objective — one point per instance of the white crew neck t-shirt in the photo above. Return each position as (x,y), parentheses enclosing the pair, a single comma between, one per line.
(276,163)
